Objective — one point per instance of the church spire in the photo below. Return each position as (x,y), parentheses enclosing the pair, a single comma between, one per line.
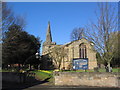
(48,35)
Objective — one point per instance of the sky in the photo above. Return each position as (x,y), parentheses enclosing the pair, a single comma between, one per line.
(63,17)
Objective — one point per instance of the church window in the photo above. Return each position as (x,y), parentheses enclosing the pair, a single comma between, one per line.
(73,52)
(82,51)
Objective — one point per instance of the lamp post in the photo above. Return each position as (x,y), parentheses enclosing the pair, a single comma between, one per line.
(38,57)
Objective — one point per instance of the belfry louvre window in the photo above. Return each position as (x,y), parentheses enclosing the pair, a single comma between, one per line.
(82,51)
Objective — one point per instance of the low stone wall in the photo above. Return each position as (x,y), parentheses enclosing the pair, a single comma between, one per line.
(87,78)
(16,77)
(10,77)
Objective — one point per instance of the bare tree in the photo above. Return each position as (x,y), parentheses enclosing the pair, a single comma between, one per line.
(57,54)
(116,58)
(8,18)
(77,34)
(100,32)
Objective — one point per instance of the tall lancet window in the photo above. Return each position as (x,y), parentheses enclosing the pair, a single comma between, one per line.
(82,51)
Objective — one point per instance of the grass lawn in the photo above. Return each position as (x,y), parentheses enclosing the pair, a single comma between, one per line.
(42,75)
(81,71)
(113,70)
(100,70)
(3,70)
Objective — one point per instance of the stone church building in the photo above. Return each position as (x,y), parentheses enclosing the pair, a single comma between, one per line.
(77,52)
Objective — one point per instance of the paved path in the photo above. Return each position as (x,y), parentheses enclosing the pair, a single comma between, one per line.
(43,86)
(47,87)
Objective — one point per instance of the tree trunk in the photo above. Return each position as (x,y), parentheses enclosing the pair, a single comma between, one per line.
(29,66)
(59,67)
(109,68)
(39,67)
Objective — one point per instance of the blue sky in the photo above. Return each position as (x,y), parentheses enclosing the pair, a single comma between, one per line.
(63,17)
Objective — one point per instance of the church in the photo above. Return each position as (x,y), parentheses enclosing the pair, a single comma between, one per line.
(80,53)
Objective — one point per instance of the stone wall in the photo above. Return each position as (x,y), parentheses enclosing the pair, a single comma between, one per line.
(10,77)
(17,77)
(87,78)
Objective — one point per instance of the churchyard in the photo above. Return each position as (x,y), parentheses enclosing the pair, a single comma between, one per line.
(47,77)
(90,59)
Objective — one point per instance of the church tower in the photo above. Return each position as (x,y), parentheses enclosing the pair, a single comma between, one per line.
(48,43)
(48,35)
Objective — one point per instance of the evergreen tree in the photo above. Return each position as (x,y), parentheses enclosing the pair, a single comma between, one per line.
(18,46)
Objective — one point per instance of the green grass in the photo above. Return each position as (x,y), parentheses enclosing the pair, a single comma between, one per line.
(116,69)
(113,70)
(4,70)
(42,75)
(81,71)
(100,70)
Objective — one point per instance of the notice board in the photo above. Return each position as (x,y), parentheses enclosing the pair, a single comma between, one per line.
(80,64)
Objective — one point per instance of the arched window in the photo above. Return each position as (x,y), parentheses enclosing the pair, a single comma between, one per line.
(82,51)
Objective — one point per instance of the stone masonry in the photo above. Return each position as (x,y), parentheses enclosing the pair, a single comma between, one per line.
(87,79)
(73,50)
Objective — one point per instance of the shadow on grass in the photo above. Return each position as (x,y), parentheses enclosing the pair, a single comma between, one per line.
(29,82)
